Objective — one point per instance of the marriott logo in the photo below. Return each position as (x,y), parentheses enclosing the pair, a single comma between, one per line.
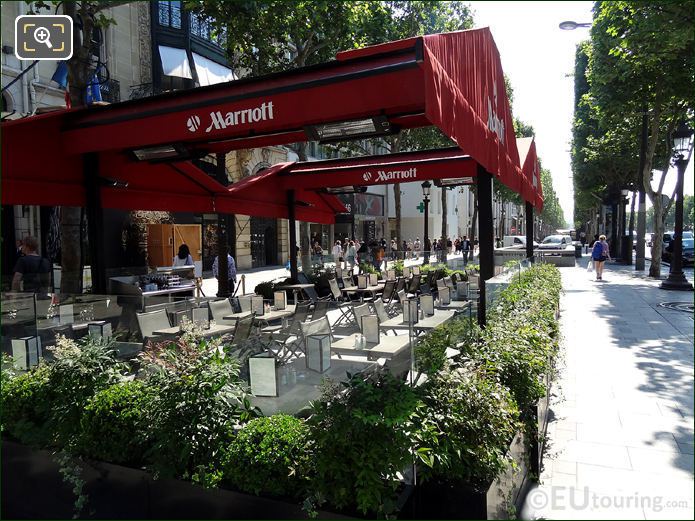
(220,120)
(398,175)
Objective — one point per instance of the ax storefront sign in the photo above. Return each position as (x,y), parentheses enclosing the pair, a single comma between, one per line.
(218,120)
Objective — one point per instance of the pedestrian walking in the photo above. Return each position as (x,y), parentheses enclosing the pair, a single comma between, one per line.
(466,248)
(338,253)
(351,254)
(599,254)
(231,271)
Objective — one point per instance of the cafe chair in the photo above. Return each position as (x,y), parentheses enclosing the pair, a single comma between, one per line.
(341,302)
(220,309)
(316,327)
(320,309)
(414,286)
(243,329)
(153,321)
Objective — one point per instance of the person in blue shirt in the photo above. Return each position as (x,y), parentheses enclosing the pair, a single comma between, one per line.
(231,271)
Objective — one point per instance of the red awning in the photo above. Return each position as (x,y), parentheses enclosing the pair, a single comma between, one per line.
(452,80)
(311,178)
(532,190)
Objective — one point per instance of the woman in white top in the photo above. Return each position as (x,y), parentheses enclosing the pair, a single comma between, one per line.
(338,253)
(184,257)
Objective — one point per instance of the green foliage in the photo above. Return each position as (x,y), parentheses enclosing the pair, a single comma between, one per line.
(113,426)
(361,435)
(266,289)
(521,337)
(465,425)
(271,456)
(366,267)
(26,406)
(430,351)
(197,398)
(397,266)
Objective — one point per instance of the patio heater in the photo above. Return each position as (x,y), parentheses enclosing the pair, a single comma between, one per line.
(682,144)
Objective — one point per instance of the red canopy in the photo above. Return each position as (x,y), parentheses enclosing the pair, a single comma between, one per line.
(452,80)
(532,190)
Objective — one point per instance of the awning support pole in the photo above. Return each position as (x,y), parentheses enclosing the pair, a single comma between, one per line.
(222,240)
(293,235)
(529,231)
(485,237)
(95,222)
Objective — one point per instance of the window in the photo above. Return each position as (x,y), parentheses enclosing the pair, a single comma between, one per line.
(175,62)
(170,14)
(203,28)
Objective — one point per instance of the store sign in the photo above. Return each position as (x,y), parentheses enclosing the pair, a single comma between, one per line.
(219,120)
(396,175)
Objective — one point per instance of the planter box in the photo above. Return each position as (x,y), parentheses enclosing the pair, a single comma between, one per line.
(447,500)
(539,413)
(32,488)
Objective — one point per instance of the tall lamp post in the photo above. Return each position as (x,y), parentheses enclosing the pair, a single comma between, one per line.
(682,141)
(426,187)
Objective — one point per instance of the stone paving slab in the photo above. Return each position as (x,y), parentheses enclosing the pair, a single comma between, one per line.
(620,438)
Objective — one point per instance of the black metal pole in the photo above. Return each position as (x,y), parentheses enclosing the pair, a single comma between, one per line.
(222,246)
(676,278)
(642,198)
(293,235)
(486,232)
(529,231)
(95,222)
(426,259)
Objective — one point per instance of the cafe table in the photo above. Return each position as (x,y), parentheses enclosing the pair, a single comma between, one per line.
(388,346)
(427,323)
(296,288)
(459,306)
(297,385)
(213,330)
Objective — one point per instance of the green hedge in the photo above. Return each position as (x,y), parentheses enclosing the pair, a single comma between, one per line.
(188,416)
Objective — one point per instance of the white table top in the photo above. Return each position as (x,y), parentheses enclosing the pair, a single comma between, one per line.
(457,305)
(293,397)
(276,314)
(237,316)
(427,323)
(217,329)
(388,346)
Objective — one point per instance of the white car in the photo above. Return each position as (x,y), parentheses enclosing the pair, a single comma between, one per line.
(556,242)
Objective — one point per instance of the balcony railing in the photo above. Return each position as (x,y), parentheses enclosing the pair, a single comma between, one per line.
(110,91)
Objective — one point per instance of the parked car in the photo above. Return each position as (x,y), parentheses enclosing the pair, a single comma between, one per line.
(688,247)
(556,242)
(516,241)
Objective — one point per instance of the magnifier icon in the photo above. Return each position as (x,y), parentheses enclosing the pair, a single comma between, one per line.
(43,35)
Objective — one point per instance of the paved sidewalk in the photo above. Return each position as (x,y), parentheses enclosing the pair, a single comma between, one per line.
(620,439)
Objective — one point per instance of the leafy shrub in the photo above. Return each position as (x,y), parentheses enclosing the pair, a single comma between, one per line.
(362,442)
(266,289)
(521,337)
(270,456)
(80,369)
(197,399)
(465,426)
(430,351)
(43,406)
(113,425)
(26,404)
(397,266)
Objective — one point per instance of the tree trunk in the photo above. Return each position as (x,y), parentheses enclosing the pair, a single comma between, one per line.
(657,243)
(71,251)
(444,224)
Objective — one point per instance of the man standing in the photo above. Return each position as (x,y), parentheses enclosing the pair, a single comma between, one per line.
(466,247)
(231,271)
(32,269)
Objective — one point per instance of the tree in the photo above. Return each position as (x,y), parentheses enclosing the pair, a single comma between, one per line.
(642,58)
(86,16)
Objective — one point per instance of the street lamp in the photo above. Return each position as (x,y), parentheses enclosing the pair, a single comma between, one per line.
(426,187)
(569,25)
(682,142)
